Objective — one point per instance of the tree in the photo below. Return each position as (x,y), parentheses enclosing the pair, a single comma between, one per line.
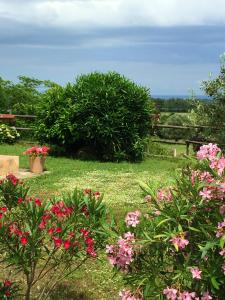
(106,112)
(213,113)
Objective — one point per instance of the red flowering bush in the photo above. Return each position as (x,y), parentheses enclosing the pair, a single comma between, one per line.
(37,151)
(8,290)
(12,191)
(176,250)
(50,240)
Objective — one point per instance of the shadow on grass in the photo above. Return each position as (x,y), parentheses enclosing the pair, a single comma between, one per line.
(66,292)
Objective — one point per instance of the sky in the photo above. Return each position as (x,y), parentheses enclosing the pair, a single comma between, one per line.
(169,46)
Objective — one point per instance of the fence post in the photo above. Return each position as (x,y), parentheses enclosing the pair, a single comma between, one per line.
(187,147)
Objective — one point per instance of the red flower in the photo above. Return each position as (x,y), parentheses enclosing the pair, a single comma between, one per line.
(51,230)
(14,180)
(8,293)
(23,241)
(20,200)
(17,232)
(58,230)
(84,232)
(37,202)
(3,209)
(1,215)
(66,244)
(96,195)
(42,225)
(57,242)
(7,283)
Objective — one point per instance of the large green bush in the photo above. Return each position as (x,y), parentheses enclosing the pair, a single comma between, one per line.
(106,112)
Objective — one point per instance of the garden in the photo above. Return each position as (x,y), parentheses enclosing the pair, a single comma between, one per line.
(111,219)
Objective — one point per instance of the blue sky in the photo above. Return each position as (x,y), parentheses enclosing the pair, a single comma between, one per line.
(170,46)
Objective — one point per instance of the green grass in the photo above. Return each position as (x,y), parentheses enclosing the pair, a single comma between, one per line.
(118,182)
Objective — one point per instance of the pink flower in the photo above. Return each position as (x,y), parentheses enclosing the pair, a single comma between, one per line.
(164,194)
(109,249)
(220,229)
(121,254)
(196,273)
(222,252)
(170,293)
(132,218)
(187,295)
(222,209)
(179,242)
(148,198)
(208,151)
(206,193)
(223,268)
(127,295)
(206,296)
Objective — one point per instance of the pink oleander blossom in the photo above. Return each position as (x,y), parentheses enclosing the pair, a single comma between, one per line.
(187,295)
(223,269)
(208,151)
(196,273)
(121,254)
(164,195)
(220,229)
(206,296)
(222,252)
(170,293)
(179,242)
(132,218)
(127,295)
(206,193)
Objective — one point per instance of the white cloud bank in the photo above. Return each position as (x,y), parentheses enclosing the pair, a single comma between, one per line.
(76,14)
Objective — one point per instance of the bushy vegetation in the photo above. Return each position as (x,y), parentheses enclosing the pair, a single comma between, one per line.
(176,133)
(173,104)
(105,112)
(213,112)
(176,250)
(8,134)
(48,240)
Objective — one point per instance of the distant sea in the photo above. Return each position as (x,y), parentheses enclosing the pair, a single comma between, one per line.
(166,97)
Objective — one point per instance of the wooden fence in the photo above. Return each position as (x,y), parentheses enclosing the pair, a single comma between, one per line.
(186,143)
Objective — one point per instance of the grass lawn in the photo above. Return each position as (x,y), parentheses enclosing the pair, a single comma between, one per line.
(119,183)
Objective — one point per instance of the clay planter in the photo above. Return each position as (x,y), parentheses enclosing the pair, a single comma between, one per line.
(37,164)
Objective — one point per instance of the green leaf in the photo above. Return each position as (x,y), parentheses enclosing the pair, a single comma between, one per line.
(215,283)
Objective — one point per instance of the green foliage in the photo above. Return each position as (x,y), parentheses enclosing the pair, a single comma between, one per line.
(8,134)
(173,104)
(173,133)
(181,231)
(50,239)
(106,112)
(213,113)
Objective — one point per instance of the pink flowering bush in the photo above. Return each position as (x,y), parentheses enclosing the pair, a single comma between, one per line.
(175,249)
(50,239)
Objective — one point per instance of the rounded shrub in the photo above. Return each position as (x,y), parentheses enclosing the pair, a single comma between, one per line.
(103,111)
(8,134)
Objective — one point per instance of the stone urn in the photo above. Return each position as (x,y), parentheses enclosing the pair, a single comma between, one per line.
(37,164)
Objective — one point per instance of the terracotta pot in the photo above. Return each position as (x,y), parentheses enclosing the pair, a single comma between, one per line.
(37,164)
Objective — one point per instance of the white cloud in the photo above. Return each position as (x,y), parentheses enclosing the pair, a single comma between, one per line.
(76,14)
